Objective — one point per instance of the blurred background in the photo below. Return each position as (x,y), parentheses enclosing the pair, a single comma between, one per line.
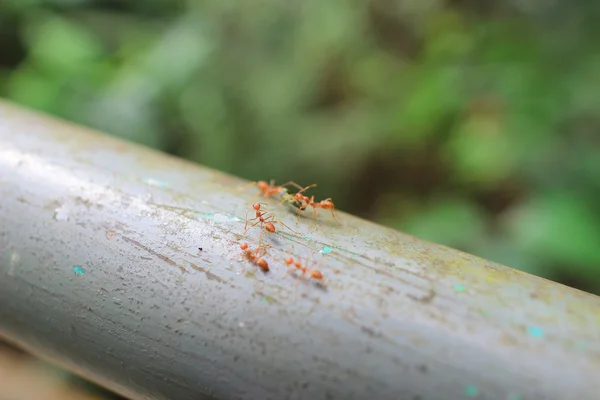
(470,123)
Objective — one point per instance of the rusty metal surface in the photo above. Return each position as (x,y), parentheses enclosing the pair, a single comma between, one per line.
(100,270)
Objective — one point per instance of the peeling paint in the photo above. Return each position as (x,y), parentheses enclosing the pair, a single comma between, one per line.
(78,270)
(326,250)
(155,182)
(218,218)
(61,213)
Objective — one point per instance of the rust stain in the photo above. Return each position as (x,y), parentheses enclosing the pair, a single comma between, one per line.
(427,299)
(154,253)
(208,274)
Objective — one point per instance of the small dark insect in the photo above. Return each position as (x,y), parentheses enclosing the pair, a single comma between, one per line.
(200,248)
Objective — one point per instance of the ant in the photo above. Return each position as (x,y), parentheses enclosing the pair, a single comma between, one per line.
(254,257)
(306,201)
(269,189)
(312,273)
(267,222)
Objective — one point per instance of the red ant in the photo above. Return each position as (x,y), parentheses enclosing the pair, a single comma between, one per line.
(312,273)
(254,257)
(306,201)
(269,189)
(267,222)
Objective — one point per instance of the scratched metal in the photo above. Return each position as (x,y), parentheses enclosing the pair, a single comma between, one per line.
(100,270)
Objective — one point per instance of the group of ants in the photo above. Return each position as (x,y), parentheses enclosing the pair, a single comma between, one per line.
(268,221)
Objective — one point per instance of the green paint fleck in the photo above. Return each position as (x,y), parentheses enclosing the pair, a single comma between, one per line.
(307,239)
(459,288)
(326,250)
(535,332)
(471,391)
(514,397)
(78,270)
(268,299)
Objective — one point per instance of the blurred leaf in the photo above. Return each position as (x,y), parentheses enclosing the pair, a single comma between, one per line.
(452,221)
(559,227)
(481,151)
(29,87)
(60,46)
(435,95)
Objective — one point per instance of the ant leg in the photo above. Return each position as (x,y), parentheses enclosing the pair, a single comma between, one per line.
(246,225)
(307,187)
(252,226)
(255,196)
(293,184)
(334,217)
(298,218)
(286,226)
(333,212)
(260,235)
(241,189)
(315,216)
(290,271)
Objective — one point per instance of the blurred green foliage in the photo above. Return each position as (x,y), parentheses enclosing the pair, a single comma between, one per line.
(470,123)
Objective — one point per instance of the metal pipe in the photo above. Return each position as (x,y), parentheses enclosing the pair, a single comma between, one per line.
(123,265)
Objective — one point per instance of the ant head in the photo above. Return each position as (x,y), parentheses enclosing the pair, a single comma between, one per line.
(256,206)
(289,260)
(262,185)
(244,246)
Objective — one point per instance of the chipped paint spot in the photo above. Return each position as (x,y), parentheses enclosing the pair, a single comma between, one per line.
(326,250)
(155,182)
(78,270)
(459,288)
(218,217)
(109,234)
(61,213)
(307,239)
(535,331)
(13,261)
(471,391)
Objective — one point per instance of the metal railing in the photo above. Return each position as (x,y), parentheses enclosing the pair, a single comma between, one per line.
(123,265)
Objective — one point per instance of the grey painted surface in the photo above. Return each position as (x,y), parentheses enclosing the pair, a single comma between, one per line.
(151,316)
